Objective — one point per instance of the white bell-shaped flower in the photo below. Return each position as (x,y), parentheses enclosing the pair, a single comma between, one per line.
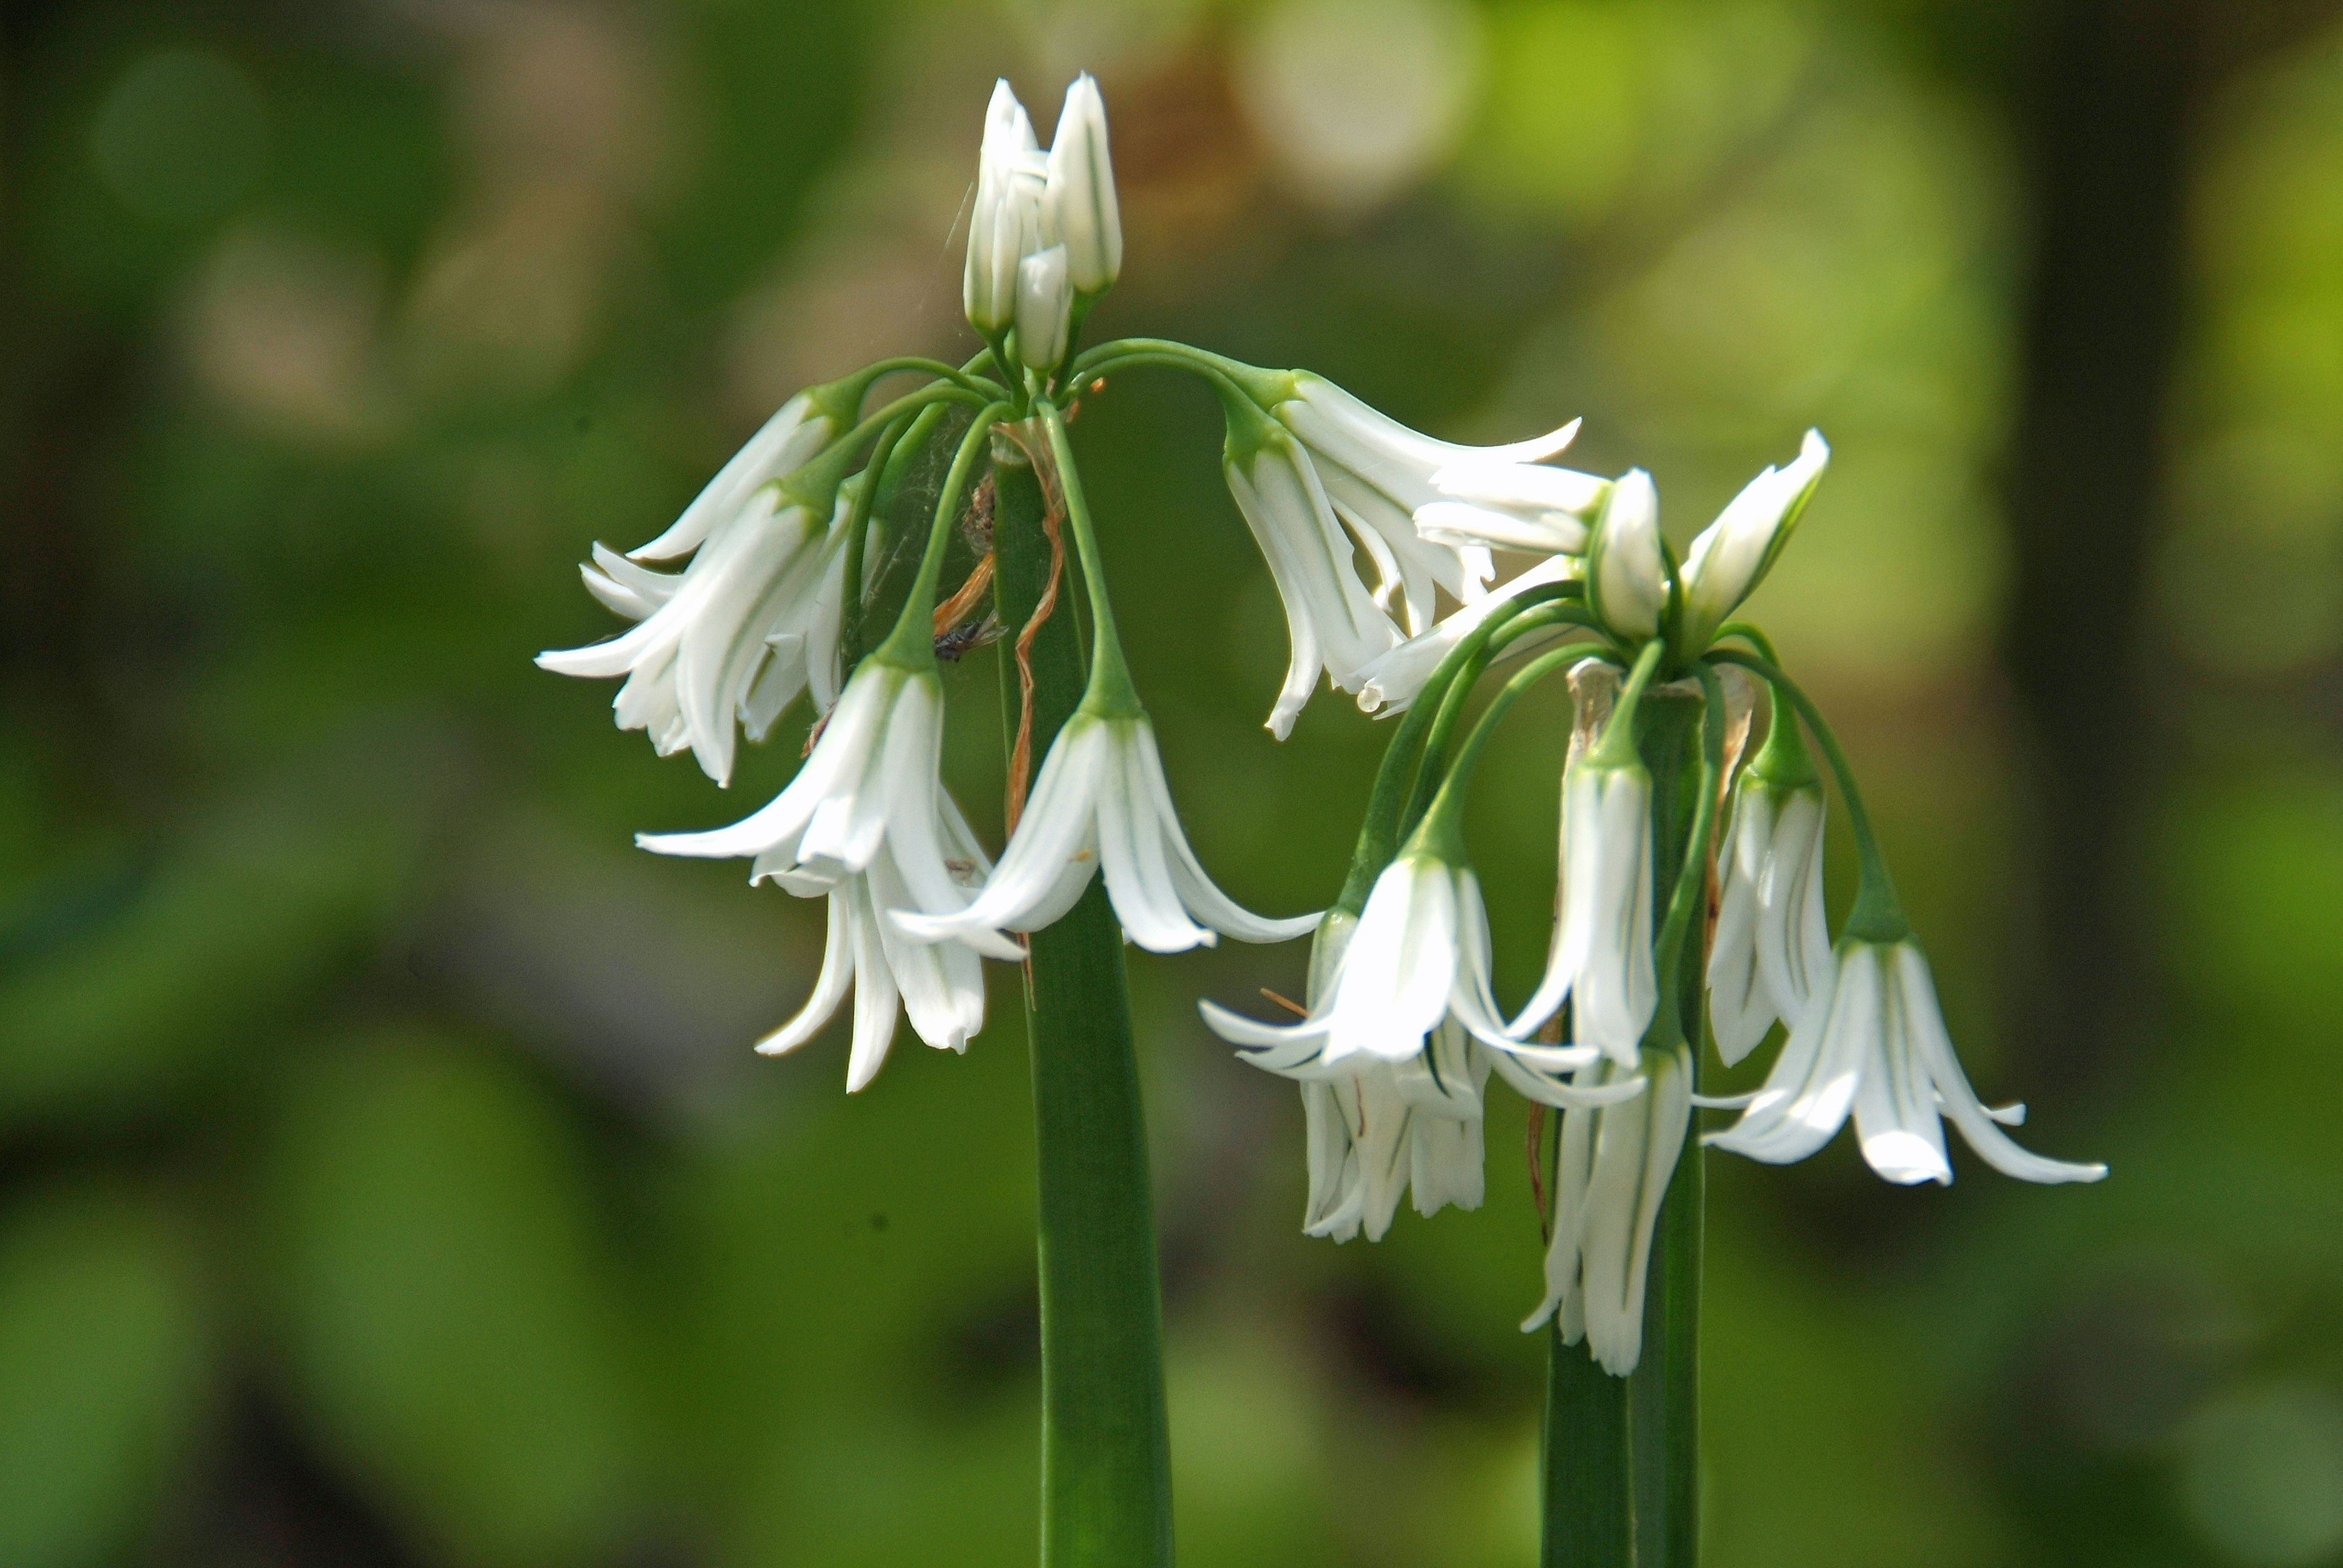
(1377,473)
(1601,961)
(723,639)
(1386,1129)
(870,783)
(1513,506)
(1392,680)
(1417,961)
(1079,199)
(1100,803)
(1772,951)
(1732,554)
(940,988)
(785,443)
(1613,1173)
(1332,622)
(1872,1043)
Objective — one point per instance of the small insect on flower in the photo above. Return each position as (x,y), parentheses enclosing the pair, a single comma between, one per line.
(959,641)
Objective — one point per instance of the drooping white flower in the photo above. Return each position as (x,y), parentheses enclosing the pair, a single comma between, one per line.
(1100,803)
(1325,476)
(1383,1129)
(1045,303)
(1332,622)
(942,988)
(1378,1129)
(1417,961)
(1602,955)
(1513,506)
(1005,222)
(1614,1165)
(1626,577)
(1079,198)
(870,783)
(1734,554)
(1392,680)
(1377,472)
(723,639)
(796,433)
(1872,1043)
(1771,952)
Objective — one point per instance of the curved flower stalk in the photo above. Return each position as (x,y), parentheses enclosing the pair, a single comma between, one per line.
(1872,1043)
(1613,1173)
(940,988)
(1101,805)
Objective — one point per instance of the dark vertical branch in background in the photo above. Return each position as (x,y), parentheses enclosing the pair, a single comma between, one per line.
(2105,119)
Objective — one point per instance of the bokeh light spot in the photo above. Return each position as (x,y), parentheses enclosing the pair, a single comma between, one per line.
(181,135)
(2263,1479)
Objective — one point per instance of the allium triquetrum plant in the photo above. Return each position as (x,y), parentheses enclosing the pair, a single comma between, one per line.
(1379,541)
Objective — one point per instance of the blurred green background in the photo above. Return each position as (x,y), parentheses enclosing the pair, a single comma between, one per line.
(385,1178)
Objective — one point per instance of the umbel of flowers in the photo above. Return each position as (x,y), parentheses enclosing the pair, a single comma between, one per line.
(1379,542)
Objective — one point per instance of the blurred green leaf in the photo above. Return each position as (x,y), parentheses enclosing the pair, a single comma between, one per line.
(448,1312)
(103,1351)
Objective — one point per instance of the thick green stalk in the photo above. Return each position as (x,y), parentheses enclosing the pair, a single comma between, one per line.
(1589,1502)
(1106,1473)
(1664,1391)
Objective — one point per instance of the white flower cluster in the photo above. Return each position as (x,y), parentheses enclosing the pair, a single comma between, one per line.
(1402,1029)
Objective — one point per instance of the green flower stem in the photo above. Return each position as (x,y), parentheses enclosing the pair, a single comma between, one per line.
(1442,829)
(815,485)
(1675,739)
(1691,884)
(1616,749)
(1106,1476)
(858,531)
(1111,693)
(1878,914)
(912,642)
(1587,1496)
(1783,761)
(1429,776)
(1124,353)
(960,376)
(1378,834)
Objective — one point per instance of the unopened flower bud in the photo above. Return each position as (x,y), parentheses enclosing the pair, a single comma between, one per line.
(1734,553)
(1627,583)
(1004,225)
(1045,303)
(1080,200)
